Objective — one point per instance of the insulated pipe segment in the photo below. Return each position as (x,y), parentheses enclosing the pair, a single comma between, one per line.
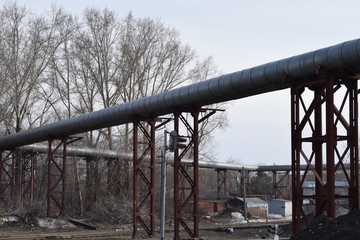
(111,154)
(257,80)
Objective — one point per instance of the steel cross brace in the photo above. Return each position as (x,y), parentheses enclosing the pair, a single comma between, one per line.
(56,195)
(334,104)
(144,177)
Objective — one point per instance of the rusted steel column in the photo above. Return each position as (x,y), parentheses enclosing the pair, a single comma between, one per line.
(64,179)
(330,146)
(287,186)
(56,195)
(353,144)
(177,206)
(221,183)
(195,140)
(135,180)
(339,127)
(185,183)
(152,169)
(248,180)
(318,153)
(295,157)
(144,177)
(28,177)
(275,185)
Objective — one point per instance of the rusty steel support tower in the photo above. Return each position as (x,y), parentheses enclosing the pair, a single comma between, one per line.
(244,181)
(56,194)
(92,181)
(144,177)
(324,130)
(221,183)
(7,176)
(281,185)
(28,177)
(186,176)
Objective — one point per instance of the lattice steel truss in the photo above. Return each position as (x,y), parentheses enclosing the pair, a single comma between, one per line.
(324,129)
(144,177)
(28,172)
(281,185)
(56,195)
(186,180)
(7,176)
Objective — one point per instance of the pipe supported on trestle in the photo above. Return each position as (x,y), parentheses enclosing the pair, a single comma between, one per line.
(344,58)
(333,145)
(111,154)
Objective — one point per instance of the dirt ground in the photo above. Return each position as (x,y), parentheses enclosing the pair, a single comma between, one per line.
(344,227)
(209,229)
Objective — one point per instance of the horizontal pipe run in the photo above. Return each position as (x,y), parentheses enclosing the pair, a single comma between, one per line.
(110,154)
(342,58)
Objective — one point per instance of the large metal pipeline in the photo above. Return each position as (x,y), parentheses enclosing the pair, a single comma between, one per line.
(112,155)
(344,57)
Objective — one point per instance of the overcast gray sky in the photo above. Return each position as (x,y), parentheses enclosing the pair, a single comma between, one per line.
(242,34)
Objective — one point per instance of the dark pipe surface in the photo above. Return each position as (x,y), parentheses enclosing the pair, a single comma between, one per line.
(344,57)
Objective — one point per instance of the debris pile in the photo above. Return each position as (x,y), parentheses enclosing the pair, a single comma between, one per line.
(110,212)
(344,227)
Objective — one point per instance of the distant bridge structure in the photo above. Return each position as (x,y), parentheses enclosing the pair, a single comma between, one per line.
(318,126)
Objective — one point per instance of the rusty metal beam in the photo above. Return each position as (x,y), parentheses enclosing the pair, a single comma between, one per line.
(57,167)
(144,177)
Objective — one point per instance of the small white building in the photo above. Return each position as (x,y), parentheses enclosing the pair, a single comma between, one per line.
(280,207)
(255,207)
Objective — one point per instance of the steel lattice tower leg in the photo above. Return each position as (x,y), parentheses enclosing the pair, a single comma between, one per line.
(334,103)
(281,185)
(7,176)
(144,177)
(28,177)
(182,171)
(56,195)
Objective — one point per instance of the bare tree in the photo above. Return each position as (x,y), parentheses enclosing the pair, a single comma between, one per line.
(153,60)
(27,45)
(55,66)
